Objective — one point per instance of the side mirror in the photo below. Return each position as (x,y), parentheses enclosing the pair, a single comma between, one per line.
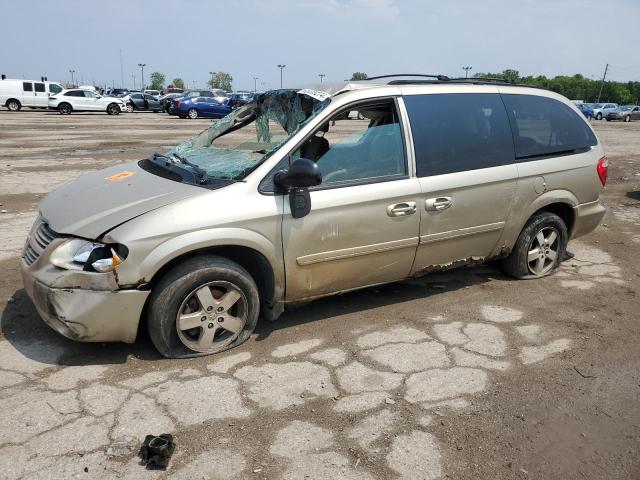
(302,173)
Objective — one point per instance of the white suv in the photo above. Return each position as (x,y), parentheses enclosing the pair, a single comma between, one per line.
(80,100)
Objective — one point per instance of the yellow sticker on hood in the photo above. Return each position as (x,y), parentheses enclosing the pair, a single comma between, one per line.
(120,176)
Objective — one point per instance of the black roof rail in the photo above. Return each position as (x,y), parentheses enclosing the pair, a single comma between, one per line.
(421,75)
(428,79)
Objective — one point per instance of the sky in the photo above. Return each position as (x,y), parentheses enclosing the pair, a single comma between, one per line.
(249,38)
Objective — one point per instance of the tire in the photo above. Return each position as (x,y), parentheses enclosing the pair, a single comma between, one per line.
(155,111)
(627,118)
(65,108)
(608,119)
(192,113)
(130,108)
(181,289)
(599,116)
(13,105)
(113,109)
(523,263)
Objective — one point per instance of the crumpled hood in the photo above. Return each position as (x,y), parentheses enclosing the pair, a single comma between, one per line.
(95,203)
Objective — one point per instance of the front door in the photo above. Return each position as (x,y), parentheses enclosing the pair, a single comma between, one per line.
(364,220)
(28,95)
(467,172)
(41,97)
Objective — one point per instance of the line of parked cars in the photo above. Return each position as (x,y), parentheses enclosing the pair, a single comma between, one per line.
(609,111)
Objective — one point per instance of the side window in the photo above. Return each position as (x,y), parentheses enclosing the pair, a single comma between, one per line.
(74,93)
(206,93)
(39,87)
(54,88)
(545,126)
(358,150)
(89,94)
(148,97)
(458,132)
(27,86)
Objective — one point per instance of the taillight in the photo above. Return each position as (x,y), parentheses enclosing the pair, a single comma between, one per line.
(603,168)
(179,103)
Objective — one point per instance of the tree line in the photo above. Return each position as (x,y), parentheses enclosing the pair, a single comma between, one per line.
(576,87)
(221,80)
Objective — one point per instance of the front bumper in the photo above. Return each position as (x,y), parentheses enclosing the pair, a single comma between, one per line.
(84,306)
(587,216)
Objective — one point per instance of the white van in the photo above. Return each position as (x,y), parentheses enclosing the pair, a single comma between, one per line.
(15,94)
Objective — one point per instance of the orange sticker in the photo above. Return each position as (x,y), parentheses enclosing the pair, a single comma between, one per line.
(120,176)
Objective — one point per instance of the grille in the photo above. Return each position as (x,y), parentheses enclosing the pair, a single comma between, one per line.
(38,241)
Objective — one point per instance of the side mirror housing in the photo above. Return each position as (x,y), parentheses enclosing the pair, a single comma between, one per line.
(303,173)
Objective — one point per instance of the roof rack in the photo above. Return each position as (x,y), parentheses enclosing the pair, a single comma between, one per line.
(442,79)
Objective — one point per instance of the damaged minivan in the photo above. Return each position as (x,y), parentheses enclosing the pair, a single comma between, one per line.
(289,198)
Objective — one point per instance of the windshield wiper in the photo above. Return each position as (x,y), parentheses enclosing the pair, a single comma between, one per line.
(201,175)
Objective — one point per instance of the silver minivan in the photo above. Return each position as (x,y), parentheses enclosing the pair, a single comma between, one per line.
(289,198)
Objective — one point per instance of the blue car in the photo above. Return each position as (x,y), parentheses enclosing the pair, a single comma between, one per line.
(207,107)
(586,110)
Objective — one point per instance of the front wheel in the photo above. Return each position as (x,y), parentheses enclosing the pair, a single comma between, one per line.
(192,113)
(129,108)
(113,109)
(539,248)
(599,116)
(203,306)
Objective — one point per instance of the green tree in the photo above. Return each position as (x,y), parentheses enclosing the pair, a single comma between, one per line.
(157,81)
(177,82)
(359,76)
(221,80)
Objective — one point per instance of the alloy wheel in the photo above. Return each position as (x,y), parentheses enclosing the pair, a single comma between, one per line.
(543,251)
(212,316)
(13,106)
(193,113)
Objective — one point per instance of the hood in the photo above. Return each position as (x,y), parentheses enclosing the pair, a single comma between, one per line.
(95,203)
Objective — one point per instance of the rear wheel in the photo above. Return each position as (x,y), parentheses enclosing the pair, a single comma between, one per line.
(64,109)
(627,118)
(192,113)
(203,306)
(113,109)
(130,108)
(13,105)
(539,248)
(599,116)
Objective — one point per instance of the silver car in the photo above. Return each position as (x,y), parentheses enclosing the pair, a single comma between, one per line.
(287,200)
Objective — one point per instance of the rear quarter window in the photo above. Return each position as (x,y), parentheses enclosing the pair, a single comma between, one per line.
(459,132)
(544,126)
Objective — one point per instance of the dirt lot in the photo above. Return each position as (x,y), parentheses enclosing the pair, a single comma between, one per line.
(465,374)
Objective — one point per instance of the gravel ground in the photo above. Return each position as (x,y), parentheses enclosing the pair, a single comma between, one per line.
(465,374)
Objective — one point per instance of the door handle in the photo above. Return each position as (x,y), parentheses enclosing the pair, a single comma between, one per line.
(401,209)
(438,203)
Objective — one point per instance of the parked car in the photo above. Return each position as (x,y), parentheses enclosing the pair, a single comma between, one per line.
(117,92)
(171,108)
(15,94)
(153,93)
(600,110)
(586,109)
(208,107)
(238,99)
(165,100)
(276,205)
(624,113)
(141,102)
(79,100)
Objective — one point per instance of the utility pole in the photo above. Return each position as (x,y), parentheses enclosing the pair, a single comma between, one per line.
(121,71)
(212,74)
(321,75)
(255,84)
(134,81)
(606,68)
(466,71)
(281,67)
(142,65)
(72,72)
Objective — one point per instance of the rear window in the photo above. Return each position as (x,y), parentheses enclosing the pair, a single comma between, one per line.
(458,132)
(544,126)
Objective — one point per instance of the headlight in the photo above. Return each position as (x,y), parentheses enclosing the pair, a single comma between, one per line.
(77,254)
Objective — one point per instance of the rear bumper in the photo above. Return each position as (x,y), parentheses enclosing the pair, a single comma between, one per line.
(587,216)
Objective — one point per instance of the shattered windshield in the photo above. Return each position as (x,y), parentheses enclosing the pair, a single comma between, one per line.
(235,145)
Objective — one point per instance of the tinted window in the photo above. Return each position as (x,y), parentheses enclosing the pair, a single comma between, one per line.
(136,96)
(39,87)
(53,88)
(89,94)
(74,93)
(545,126)
(458,132)
(27,86)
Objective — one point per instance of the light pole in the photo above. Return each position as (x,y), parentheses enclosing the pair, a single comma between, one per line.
(255,84)
(321,75)
(134,81)
(142,65)
(466,71)
(72,72)
(212,74)
(281,67)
